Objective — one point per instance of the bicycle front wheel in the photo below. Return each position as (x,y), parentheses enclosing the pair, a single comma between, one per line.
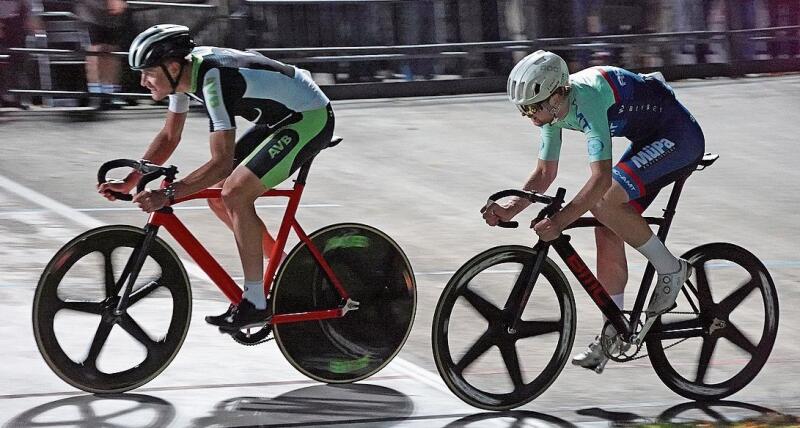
(77,294)
(376,273)
(727,341)
(481,359)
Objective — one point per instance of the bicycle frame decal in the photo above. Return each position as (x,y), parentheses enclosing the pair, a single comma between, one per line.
(590,283)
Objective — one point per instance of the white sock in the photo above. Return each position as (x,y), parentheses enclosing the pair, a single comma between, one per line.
(254,292)
(659,256)
(94,88)
(619,300)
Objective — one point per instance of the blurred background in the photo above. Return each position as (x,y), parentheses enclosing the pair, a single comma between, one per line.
(58,53)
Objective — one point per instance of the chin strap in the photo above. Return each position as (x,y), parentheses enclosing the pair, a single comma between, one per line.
(554,111)
(173,82)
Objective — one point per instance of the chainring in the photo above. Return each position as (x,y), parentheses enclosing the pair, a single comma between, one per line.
(247,338)
(623,352)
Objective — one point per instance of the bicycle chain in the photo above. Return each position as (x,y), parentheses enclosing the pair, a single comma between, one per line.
(635,357)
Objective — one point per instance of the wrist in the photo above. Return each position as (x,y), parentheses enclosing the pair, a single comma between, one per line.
(169,193)
(133,177)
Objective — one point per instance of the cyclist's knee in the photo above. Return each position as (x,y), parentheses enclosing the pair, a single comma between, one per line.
(217,205)
(606,236)
(236,196)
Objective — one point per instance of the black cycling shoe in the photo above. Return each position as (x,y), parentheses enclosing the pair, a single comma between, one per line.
(244,315)
(219,320)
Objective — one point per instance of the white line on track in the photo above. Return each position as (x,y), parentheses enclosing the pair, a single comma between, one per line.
(409,369)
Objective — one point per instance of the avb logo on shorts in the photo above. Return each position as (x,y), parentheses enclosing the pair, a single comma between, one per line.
(282,141)
(652,152)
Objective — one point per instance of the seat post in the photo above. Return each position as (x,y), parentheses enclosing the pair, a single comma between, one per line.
(669,211)
(303,174)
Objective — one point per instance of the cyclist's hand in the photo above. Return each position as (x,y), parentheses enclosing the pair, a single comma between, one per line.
(121,186)
(547,229)
(151,200)
(496,213)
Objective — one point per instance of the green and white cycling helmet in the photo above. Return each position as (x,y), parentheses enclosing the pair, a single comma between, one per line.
(535,78)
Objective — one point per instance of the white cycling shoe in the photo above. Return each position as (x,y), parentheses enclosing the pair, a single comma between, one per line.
(667,289)
(593,358)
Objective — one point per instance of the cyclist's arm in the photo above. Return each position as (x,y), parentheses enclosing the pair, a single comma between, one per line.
(167,139)
(215,170)
(546,167)
(589,195)
(539,181)
(598,141)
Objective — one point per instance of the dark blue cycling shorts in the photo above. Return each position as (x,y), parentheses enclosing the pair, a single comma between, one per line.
(668,155)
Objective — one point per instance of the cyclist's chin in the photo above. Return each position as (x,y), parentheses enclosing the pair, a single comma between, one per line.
(158,95)
(540,123)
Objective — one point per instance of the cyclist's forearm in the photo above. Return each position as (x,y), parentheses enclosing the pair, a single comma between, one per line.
(539,181)
(589,195)
(212,172)
(167,139)
(542,177)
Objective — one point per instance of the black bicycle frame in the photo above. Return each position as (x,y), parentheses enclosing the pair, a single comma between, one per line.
(576,265)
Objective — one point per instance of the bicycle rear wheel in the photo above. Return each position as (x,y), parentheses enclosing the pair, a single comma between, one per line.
(726,277)
(77,294)
(472,318)
(376,273)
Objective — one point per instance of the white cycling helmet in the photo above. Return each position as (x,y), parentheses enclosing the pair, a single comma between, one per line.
(536,77)
(159,43)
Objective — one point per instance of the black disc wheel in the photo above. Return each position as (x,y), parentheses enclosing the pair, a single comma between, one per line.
(482,359)
(81,336)
(724,326)
(375,273)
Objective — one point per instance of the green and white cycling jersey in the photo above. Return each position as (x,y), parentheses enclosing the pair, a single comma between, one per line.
(235,83)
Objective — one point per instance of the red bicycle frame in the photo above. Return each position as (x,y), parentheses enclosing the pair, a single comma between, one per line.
(223,280)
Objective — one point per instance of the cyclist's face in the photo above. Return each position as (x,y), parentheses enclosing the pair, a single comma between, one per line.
(538,113)
(156,82)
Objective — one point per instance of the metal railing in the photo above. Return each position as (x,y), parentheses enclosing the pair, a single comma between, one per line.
(726,63)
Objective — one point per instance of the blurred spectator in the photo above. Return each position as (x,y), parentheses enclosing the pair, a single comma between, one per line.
(587,21)
(16,21)
(418,28)
(694,15)
(784,13)
(741,15)
(105,20)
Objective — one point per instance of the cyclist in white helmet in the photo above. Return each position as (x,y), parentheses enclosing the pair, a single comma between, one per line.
(667,144)
(292,122)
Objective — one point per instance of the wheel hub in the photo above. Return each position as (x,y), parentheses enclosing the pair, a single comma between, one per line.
(716,325)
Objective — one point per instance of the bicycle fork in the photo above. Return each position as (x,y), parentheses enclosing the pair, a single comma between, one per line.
(523,288)
(133,267)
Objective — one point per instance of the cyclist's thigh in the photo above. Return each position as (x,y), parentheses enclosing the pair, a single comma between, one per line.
(646,167)
(289,147)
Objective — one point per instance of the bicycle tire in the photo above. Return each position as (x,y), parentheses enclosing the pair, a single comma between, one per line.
(497,334)
(760,279)
(47,303)
(363,341)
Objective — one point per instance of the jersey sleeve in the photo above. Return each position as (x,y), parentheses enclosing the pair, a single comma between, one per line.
(221,93)
(179,103)
(596,127)
(550,144)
